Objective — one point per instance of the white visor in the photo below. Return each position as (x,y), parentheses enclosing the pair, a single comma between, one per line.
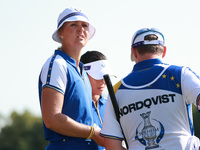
(98,69)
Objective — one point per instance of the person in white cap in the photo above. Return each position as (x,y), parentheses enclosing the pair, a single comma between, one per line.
(154,101)
(64,88)
(96,65)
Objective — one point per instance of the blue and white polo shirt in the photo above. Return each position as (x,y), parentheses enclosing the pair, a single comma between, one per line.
(61,74)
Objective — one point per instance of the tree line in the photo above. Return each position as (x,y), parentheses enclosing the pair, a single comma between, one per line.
(22,132)
(25,131)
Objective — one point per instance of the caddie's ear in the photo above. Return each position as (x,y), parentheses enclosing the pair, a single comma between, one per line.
(164,52)
(132,57)
(134,51)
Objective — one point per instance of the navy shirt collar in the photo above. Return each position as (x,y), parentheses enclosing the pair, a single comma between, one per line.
(68,58)
(146,64)
(102,100)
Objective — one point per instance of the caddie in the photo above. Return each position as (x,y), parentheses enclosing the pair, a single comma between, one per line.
(155,100)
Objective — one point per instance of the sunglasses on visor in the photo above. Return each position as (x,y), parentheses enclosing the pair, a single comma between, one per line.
(144,30)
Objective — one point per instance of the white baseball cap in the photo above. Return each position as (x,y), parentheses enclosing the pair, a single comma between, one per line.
(138,38)
(72,14)
(98,69)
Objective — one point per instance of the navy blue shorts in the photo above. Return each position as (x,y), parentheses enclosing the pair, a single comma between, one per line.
(70,144)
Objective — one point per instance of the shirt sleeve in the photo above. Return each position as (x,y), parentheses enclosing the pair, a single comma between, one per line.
(54,74)
(111,128)
(190,86)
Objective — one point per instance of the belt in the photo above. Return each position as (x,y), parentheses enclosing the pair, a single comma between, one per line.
(71,139)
